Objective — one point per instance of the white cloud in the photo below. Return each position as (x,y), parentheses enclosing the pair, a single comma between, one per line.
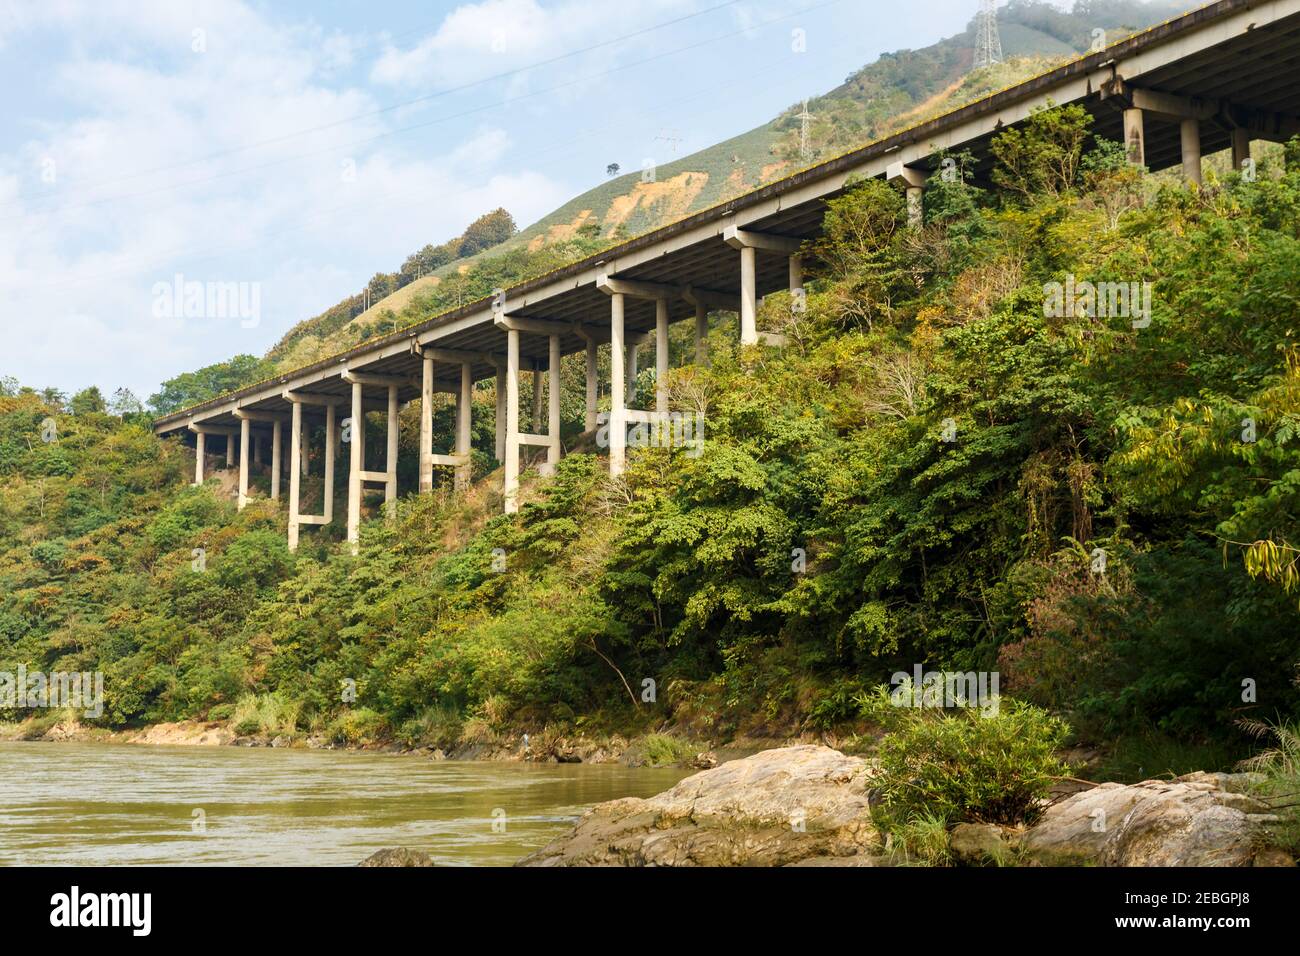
(173,161)
(485,39)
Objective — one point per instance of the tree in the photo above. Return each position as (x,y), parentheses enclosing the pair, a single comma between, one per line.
(613,170)
(382,284)
(209,382)
(1042,155)
(125,403)
(89,401)
(487,231)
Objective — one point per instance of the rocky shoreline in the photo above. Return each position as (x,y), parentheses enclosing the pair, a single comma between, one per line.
(628,751)
(775,804)
(811,806)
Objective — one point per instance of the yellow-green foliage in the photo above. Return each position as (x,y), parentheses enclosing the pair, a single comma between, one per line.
(923,476)
(966,765)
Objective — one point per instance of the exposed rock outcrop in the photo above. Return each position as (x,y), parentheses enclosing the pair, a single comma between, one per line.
(1200,819)
(809,806)
(185,732)
(977,844)
(774,808)
(398,856)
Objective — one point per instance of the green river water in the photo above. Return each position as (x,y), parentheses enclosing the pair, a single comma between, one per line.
(112,804)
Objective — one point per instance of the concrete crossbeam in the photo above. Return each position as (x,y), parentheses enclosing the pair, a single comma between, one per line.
(709,299)
(637,289)
(739,238)
(312,398)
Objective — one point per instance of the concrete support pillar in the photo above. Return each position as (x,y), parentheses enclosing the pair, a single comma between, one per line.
(593,387)
(537,399)
(390,463)
(277,437)
(305,461)
(661,355)
(1240,148)
(701,334)
(912,182)
(426,427)
(464,424)
(1135,146)
(501,415)
(511,483)
(1191,136)
(230,449)
(553,405)
(295,473)
(748,296)
(356,464)
(245,433)
(629,393)
(331,450)
(617,388)
(199,451)
(915,206)
(257,449)
(796,273)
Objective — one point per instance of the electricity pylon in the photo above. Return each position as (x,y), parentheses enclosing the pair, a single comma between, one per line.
(988,42)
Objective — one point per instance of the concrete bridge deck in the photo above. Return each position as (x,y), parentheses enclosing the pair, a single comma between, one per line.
(1213,79)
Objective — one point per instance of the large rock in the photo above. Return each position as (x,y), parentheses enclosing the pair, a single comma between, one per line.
(397,856)
(977,844)
(1197,820)
(775,808)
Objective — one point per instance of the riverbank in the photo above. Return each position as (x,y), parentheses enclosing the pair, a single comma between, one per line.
(814,806)
(804,804)
(655,749)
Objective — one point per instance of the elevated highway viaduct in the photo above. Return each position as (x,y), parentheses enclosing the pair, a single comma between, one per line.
(1214,79)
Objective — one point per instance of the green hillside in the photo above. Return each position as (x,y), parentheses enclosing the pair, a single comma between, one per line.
(897,90)
(937,471)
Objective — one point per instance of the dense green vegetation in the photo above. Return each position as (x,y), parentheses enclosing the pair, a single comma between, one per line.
(190,388)
(992,766)
(935,471)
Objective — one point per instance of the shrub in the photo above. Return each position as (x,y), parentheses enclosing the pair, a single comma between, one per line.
(661,749)
(358,726)
(268,715)
(440,724)
(969,766)
(921,841)
(1280,769)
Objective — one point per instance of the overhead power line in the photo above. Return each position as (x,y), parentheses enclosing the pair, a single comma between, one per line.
(505,74)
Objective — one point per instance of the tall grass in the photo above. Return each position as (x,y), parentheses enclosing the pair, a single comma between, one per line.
(1146,756)
(919,841)
(265,715)
(1280,786)
(662,749)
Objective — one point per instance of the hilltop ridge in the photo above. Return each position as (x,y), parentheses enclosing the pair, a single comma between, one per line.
(897,90)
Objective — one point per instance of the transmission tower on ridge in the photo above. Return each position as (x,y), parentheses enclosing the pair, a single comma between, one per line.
(988,42)
(805,119)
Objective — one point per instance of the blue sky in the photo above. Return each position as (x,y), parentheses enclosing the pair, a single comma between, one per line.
(302,147)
